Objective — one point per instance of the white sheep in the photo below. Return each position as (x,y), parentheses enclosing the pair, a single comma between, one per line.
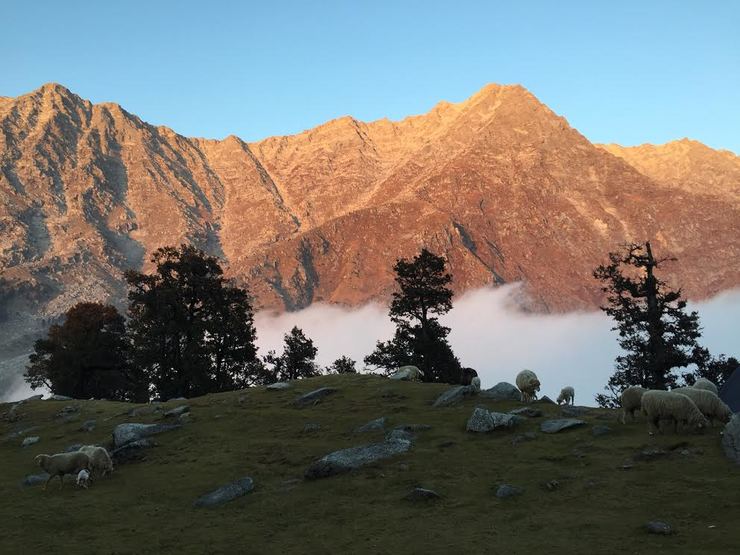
(708,403)
(709,385)
(528,385)
(631,400)
(475,383)
(61,464)
(100,461)
(83,478)
(567,396)
(407,373)
(660,405)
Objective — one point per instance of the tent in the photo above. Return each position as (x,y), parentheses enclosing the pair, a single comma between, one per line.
(730,391)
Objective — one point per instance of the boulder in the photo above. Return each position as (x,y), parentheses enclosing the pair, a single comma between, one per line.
(314,397)
(401,433)
(455,395)
(145,410)
(529,412)
(405,373)
(377,425)
(353,458)
(505,491)
(129,432)
(278,386)
(659,527)
(131,451)
(422,494)
(30,440)
(502,391)
(34,479)
(177,411)
(482,420)
(559,424)
(226,493)
(731,438)
(68,411)
(574,411)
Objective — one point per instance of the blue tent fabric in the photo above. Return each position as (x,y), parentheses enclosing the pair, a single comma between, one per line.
(730,391)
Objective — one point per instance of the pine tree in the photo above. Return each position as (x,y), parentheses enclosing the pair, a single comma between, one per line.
(655,330)
(192,331)
(296,361)
(343,365)
(86,356)
(423,294)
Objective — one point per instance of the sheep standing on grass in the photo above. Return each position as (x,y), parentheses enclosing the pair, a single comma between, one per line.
(100,461)
(567,396)
(660,405)
(708,403)
(528,384)
(631,400)
(61,464)
(708,385)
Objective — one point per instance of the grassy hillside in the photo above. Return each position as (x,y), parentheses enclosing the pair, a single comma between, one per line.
(146,507)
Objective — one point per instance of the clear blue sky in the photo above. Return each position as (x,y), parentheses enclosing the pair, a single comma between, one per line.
(626,72)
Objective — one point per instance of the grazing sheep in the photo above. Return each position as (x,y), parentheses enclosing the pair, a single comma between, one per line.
(708,403)
(631,400)
(709,385)
(660,405)
(83,478)
(61,464)
(467,375)
(407,373)
(475,382)
(528,384)
(100,461)
(567,396)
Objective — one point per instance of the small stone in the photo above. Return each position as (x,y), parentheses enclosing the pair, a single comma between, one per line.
(552,485)
(422,494)
(68,411)
(659,527)
(377,425)
(30,440)
(177,411)
(56,397)
(278,386)
(600,430)
(400,433)
(557,425)
(507,490)
(529,412)
(226,493)
(145,410)
(35,479)
(88,426)
(314,397)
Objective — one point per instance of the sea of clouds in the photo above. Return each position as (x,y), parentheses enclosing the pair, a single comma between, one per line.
(490,334)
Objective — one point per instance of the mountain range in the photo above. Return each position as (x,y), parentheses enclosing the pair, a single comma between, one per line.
(500,185)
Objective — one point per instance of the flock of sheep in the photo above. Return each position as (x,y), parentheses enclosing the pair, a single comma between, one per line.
(88,463)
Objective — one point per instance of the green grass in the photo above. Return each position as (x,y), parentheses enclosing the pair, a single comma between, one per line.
(146,507)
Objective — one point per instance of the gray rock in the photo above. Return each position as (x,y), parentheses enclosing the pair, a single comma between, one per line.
(310,428)
(21,432)
(731,438)
(346,460)
(377,425)
(68,411)
(132,451)
(30,440)
(185,418)
(414,427)
(177,411)
(72,448)
(455,395)
(507,490)
(34,479)
(145,410)
(521,438)
(551,485)
(314,397)
(422,494)
(502,391)
(546,400)
(405,373)
(659,527)
(600,430)
(278,386)
(129,432)
(56,397)
(559,424)
(482,420)
(88,426)
(529,412)
(573,411)
(400,434)
(226,493)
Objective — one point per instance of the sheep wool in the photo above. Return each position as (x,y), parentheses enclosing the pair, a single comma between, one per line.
(528,384)
(567,396)
(631,400)
(61,464)
(660,405)
(708,403)
(708,385)
(100,461)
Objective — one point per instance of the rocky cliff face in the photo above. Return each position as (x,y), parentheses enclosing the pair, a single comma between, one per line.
(499,184)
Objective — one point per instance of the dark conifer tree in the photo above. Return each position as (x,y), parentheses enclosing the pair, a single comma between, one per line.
(297,360)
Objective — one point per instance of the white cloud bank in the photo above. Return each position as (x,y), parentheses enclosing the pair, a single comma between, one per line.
(492,336)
